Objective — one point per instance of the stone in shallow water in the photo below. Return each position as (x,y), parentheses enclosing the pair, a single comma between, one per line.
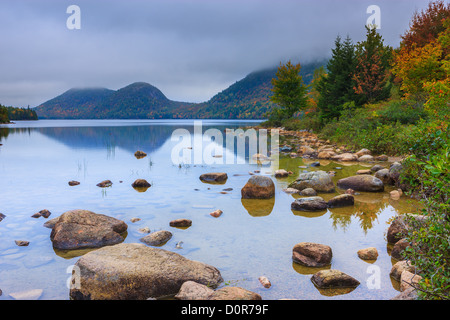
(309,204)
(258,187)
(333,279)
(132,271)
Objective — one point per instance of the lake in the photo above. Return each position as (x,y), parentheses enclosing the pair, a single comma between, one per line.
(250,239)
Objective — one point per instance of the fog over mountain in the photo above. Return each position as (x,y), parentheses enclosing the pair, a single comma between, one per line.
(189,49)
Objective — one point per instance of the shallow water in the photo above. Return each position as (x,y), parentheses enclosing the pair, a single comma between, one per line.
(251,238)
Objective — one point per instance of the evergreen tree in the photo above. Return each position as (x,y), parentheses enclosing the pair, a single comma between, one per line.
(336,88)
(289,92)
(372,73)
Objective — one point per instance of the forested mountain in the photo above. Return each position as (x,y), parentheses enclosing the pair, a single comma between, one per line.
(248,98)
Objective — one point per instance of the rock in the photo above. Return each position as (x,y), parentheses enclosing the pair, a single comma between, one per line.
(345,157)
(409,294)
(2,216)
(395,195)
(214,177)
(258,187)
(43,213)
(73,183)
(306,150)
(365,158)
(281,173)
(234,293)
(363,152)
(342,200)
(157,238)
(409,280)
(77,229)
(399,267)
(382,157)
(396,230)
(326,154)
(370,253)
(317,180)
(286,148)
(141,184)
(332,278)
(265,282)
(291,190)
(399,247)
(376,168)
(309,204)
(133,220)
(394,172)
(132,271)
(140,154)
(34,294)
(383,175)
(363,171)
(22,243)
(144,230)
(312,254)
(349,191)
(191,290)
(309,192)
(315,164)
(216,213)
(105,184)
(362,182)
(180,223)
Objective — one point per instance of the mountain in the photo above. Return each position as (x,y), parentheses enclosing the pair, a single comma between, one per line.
(73,104)
(248,98)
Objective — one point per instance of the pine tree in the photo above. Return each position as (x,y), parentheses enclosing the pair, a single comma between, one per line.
(336,88)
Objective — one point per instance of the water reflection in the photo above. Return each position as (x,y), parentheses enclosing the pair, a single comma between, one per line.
(258,207)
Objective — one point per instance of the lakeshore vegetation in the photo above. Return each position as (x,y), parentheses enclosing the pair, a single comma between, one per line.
(392,101)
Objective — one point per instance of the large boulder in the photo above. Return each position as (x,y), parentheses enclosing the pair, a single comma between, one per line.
(78,229)
(363,182)
(312,254)
(309,204)
(132,271)
(258,187)
(317,180)
(394,172)
(332,278)
(345,157)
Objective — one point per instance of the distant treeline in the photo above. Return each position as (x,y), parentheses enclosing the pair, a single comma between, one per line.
(10,113)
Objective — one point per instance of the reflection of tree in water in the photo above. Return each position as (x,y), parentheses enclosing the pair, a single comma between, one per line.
(365,212)
(4,132)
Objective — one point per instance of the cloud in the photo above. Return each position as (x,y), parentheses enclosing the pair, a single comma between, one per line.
(190,49)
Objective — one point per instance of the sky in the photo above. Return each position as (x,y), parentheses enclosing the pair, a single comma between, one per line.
(189,49)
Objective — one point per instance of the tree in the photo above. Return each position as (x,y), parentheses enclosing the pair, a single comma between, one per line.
(289,92)
(336,89)
(372,69)
(313,93)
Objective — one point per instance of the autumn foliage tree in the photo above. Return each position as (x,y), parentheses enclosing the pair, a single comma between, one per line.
(372,68)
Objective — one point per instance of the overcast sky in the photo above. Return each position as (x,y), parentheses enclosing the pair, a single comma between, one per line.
(189,49)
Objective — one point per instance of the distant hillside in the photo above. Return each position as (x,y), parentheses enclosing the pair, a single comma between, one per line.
(73,104)
(248,98)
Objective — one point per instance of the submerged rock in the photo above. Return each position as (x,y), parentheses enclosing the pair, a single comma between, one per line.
(317,180)
(73,183)
(77,229)
(140,154)
(180,223)
(2,216)
(132,271)
(258,187)
(312,254)
(309,204)
(362,182)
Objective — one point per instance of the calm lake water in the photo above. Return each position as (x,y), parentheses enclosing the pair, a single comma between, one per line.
(252,238)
